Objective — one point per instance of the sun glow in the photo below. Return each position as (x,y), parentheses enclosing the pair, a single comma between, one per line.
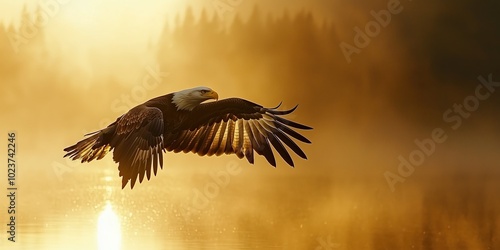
(108,229)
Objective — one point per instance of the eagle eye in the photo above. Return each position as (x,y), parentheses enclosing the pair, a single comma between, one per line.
(203,91)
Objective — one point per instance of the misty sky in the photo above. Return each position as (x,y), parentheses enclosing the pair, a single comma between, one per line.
(452,34)
(423,70)
(428,50)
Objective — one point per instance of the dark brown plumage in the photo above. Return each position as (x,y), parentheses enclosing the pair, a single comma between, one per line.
(230,126)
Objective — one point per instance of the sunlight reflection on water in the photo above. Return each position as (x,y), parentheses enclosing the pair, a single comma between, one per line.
(108,229)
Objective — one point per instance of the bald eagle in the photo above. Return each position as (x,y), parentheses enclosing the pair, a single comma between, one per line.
(179,121)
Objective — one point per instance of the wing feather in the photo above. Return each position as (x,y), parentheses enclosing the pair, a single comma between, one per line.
(183,140)
(290,123)
(238,138)
(236,126)
(207,141)
(249,141)
(138,144)
(218,140)
(228,149)
(204,139)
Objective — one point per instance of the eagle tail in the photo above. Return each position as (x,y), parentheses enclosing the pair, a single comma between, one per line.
(90,148)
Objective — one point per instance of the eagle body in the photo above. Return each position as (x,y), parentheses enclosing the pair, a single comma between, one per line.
(180,122)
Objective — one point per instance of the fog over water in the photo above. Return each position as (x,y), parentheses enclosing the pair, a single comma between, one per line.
(403,97)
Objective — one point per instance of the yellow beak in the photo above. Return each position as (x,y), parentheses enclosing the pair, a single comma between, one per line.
(213,95)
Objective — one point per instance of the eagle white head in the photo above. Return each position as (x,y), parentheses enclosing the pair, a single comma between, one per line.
(188,99)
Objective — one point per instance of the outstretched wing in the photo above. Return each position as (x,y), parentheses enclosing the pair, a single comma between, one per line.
(237,126)
(138,143)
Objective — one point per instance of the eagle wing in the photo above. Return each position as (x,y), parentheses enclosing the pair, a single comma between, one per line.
(138,143)
(237,126)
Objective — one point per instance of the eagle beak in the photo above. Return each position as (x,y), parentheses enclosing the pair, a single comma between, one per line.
(213,95)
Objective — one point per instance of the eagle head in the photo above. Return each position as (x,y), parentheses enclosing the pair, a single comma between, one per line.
(188,99)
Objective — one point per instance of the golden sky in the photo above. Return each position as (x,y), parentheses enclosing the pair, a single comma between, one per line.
(88,62)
